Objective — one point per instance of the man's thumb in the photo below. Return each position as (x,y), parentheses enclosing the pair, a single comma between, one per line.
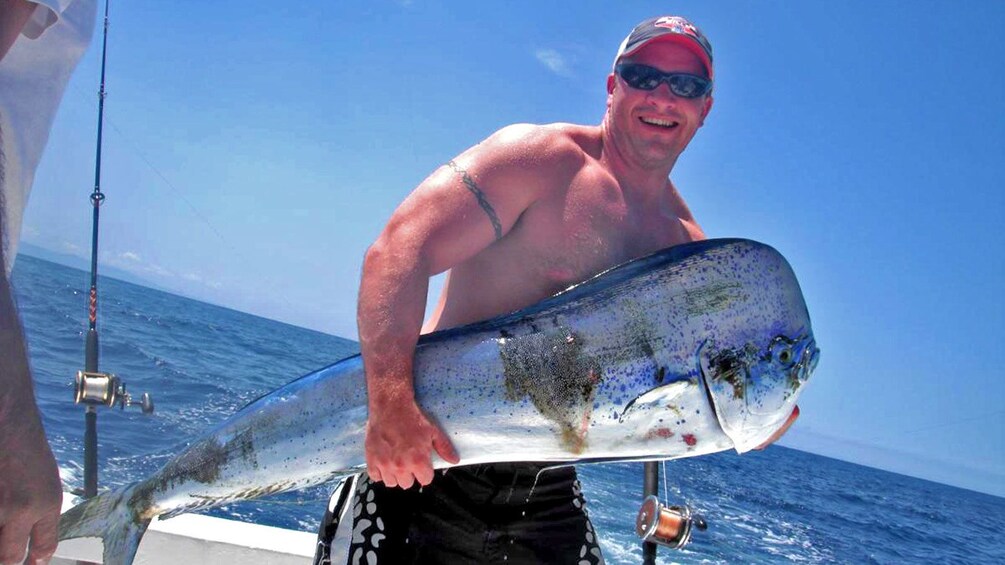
(445,448)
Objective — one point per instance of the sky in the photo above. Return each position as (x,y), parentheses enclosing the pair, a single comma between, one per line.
(253,150)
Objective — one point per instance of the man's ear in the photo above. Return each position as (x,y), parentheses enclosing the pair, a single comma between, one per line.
(706,109)
(610,89)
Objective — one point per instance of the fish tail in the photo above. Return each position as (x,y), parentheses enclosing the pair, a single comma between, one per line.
(111,517)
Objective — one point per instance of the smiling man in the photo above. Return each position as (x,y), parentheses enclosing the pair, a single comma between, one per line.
(516,218)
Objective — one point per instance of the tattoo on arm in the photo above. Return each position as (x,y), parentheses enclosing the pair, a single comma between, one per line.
(482,201)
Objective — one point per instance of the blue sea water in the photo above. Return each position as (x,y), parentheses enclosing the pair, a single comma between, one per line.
(203,362)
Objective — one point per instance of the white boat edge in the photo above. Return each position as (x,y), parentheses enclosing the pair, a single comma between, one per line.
(196,540)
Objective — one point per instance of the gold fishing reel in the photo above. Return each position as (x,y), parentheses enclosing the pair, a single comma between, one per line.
(669,526)
(105,389)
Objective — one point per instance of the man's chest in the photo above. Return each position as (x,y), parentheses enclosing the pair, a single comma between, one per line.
(574,238)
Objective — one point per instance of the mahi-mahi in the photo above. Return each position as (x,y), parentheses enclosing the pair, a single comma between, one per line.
(696,349)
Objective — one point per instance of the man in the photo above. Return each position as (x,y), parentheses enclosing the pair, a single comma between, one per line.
(516,218)
(40,44)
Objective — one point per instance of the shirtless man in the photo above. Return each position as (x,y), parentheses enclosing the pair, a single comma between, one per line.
(516,218)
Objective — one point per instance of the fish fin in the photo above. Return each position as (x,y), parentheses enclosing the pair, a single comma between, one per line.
(110,517)
(659,398)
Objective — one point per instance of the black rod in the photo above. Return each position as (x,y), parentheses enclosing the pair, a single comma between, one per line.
(91,347)
(650,484)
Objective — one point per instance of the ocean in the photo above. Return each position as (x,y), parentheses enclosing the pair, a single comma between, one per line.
(202,362)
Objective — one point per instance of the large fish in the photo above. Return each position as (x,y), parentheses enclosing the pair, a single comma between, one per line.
(696,349)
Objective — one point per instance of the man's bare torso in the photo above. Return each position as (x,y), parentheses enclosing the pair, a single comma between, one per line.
(584,223)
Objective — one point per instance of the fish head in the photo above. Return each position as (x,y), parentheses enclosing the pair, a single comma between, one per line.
(753,386)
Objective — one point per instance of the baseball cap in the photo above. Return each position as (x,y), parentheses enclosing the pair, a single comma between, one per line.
(668,28)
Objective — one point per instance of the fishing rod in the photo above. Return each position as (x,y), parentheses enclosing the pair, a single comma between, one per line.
(94,388)
(650,485)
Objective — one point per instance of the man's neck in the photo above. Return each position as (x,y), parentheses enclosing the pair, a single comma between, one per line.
(640,182)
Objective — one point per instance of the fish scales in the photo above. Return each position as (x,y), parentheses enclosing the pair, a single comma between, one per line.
(696,349)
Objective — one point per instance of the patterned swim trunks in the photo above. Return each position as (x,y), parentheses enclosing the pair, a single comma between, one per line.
(512,513)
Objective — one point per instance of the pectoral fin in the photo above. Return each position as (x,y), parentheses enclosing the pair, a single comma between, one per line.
(655,402)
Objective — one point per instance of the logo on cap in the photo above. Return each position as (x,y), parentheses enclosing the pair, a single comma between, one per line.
(677,24)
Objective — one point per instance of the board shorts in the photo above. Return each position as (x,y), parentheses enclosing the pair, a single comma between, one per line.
(512,513)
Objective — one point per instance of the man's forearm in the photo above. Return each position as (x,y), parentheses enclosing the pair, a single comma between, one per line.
(400,437)
(391,306)
(18,413)
(30,491)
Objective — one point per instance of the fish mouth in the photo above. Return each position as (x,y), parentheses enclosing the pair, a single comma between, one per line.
(793,416)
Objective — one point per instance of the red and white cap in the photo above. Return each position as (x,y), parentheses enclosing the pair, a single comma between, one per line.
(668,28)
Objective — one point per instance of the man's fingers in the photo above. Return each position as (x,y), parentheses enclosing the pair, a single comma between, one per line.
(424,475)
(390,479)
(406,480)
(445,448)
(400,456)
(13,541)
(43,539)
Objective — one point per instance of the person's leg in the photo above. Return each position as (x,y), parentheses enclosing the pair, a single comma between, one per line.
(553,525)
(381,521)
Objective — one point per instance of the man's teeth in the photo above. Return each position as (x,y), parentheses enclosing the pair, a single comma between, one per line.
(659,122)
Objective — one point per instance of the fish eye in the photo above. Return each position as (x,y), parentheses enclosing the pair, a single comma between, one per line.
(781,350)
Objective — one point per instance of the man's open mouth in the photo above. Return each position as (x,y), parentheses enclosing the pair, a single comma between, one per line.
(658,122)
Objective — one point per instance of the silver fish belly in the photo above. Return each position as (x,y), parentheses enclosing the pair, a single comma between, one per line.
(696,349)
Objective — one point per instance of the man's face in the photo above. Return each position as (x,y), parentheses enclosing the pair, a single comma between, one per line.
(652,127)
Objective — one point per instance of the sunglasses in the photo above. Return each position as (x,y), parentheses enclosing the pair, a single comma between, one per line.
(644,77)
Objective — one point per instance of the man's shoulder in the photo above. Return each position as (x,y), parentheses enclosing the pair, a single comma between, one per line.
(546,144)
(558,132)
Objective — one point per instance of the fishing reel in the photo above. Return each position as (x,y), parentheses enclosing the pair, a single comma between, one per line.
(669,526)
(97,389)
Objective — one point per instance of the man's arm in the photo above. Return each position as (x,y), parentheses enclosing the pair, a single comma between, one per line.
(461,209)
(30,490)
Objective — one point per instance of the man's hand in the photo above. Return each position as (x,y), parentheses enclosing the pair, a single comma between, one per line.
(30,495)
(400,440)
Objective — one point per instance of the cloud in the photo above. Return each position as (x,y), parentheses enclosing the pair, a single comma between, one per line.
(133,262)
(70,248)
(158,270)
(553,61)
(199,279)
(128,260)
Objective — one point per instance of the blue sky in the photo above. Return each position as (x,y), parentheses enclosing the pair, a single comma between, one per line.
(254,149)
